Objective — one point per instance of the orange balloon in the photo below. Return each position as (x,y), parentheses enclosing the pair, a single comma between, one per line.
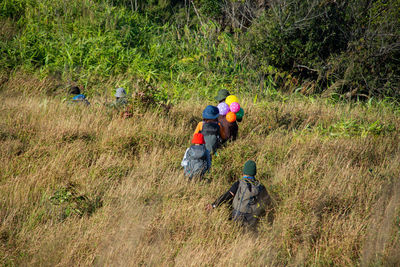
(230,116)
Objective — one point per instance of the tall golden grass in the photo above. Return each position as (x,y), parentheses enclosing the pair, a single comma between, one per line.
(80,186)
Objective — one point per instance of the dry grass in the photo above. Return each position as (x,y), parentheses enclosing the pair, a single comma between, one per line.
(81,187)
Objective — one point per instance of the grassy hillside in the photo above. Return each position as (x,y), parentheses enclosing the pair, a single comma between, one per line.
(79,186)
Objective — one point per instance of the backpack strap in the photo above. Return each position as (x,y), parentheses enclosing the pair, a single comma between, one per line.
(237,213)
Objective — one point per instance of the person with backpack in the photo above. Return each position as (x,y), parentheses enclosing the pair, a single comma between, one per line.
(247,196)
(211,129)
(121,99)
(121,103)
(230,128)
(75,96)
(197,159)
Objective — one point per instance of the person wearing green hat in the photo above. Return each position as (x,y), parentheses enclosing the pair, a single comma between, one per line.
(222,95)
(247,196)
(231,129)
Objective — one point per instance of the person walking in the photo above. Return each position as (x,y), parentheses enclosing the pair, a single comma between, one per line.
(231,129)
(197,159)
(211,129)
(247,197)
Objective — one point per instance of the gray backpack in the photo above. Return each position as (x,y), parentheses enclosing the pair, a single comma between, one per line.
(211,135)
(250,199)
(197,161)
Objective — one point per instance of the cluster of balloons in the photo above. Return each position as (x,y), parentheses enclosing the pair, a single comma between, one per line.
(231,109)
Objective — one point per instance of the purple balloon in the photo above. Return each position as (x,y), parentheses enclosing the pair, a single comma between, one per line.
(223,108)
(235,107)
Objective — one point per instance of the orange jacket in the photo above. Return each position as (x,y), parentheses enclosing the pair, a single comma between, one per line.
(221,129)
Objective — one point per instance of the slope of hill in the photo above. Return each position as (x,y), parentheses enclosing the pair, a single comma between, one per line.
(80,186)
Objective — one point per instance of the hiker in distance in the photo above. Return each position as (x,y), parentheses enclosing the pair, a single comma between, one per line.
(211,129)
(250,198)
(197,159)
(120,97)
(121,103)
(230,128)
(76,97)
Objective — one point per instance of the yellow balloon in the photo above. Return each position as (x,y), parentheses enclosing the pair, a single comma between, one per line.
(230,99)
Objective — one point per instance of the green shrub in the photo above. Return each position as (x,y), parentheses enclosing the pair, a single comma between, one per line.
(342,47)
(14,9)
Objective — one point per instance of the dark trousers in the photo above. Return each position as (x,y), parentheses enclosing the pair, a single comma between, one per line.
(245,219)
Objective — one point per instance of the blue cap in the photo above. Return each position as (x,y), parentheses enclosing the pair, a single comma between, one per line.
(210,113)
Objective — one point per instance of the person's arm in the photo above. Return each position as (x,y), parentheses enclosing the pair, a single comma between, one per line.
(227,196)
(184,160)
(221,131)
(199,127)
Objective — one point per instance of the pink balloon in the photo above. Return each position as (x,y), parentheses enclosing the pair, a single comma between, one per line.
(235,107)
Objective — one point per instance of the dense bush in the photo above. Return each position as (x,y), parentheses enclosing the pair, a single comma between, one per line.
(338,47)
(355,42)
(82,36)
(298,34)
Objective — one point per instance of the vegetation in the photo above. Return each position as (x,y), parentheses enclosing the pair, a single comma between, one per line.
(350,48)
(80,186)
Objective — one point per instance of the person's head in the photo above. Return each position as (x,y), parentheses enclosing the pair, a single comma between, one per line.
(222,95)
(74,90)
(198,139)
(250,168)
(210,113)
(119,93)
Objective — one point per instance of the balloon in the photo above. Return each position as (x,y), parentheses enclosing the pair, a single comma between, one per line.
(235,107)
(223,108)
(231,117)
(230,99)
(240,114)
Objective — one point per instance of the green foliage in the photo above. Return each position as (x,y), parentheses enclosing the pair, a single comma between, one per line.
(343,47)
(75,41)
(298,33)
(370,64)
(90,40)
(73,203)
(349,128)
(210,8)
(354,43)
(14,9)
